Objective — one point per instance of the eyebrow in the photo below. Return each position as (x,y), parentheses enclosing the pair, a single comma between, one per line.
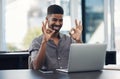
(55,19)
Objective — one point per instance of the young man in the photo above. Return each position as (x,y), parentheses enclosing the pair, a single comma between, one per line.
(51,49)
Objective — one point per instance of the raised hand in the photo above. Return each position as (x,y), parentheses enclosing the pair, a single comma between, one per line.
(47,32)
(76,32)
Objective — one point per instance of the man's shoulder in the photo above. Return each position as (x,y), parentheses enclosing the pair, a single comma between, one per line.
(38,38)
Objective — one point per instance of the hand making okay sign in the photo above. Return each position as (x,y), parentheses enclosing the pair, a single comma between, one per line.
(47,32)
(76,32)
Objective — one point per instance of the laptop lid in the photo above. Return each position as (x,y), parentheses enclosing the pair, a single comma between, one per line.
(86,57)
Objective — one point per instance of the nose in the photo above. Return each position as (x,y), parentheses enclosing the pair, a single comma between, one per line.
(58,23)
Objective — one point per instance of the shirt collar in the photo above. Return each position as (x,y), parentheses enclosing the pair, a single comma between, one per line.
(61,35)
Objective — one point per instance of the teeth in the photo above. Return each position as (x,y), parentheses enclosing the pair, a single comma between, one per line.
(56,28)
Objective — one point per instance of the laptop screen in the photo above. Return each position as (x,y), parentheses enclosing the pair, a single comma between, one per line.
(86,57)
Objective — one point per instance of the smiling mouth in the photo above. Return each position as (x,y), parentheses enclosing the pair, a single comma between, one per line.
(56,28)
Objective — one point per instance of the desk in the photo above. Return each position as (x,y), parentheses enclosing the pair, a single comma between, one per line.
(32,74)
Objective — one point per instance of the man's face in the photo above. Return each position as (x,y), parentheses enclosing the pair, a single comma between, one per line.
(55,22)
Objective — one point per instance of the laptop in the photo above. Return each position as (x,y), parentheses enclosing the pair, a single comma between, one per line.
(86,57)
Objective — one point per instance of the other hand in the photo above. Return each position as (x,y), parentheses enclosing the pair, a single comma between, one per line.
(76,32)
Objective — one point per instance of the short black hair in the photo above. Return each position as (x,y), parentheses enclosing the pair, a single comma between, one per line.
(55,9)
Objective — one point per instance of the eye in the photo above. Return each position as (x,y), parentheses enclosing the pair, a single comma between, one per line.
(54,19)
(61,20)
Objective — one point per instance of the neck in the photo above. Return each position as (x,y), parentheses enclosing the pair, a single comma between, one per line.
(55,35)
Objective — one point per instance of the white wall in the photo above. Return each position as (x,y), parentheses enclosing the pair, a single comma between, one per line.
(75,8)
(2,26)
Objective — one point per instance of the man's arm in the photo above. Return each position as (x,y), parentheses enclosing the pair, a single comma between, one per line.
(47,33)
(38,60)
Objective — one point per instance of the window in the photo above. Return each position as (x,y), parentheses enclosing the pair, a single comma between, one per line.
(23,20)
(94,13)
(117,27)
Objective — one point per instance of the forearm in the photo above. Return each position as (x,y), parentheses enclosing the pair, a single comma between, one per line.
(38,61)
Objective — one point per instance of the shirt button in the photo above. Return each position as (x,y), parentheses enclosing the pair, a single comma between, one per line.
(58,58)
